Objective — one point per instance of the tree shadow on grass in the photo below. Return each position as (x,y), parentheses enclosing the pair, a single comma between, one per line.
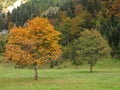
(26,80)
(94,71)
(105,71)
(23,81)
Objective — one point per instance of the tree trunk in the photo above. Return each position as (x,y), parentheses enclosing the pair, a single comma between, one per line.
(91,66)
(36,72)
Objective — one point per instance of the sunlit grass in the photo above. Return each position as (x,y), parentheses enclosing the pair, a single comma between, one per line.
(67,79)
(106,76)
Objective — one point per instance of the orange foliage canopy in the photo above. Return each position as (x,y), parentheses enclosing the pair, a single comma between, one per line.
(35,43)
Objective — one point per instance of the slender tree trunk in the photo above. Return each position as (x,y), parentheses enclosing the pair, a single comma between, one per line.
(91,67)
(36,72)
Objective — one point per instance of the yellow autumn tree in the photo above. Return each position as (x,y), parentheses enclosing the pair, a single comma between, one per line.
(34,44)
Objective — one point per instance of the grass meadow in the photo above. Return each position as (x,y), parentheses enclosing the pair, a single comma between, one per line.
(106,76)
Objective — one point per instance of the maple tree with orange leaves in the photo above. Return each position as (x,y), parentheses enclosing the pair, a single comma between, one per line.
(34,44)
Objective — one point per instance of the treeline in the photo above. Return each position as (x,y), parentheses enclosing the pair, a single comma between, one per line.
(102,15)
(79,15)
(72,18)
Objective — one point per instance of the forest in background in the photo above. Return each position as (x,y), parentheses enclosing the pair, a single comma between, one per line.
(70,17)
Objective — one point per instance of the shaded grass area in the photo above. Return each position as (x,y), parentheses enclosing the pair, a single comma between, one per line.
(102,64)
(106,76)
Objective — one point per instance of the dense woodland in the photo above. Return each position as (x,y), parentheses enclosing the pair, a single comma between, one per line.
(71,18)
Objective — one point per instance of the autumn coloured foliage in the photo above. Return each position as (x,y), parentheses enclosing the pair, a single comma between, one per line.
(34,44)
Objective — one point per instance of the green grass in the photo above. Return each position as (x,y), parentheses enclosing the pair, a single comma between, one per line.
(106,76)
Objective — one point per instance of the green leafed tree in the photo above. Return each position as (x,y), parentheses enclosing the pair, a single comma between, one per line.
(82,21)
(64,28)
(91,47)
(3,41)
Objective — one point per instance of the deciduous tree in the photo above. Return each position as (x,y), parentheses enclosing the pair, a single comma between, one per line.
(3,41)
(33,45)
(91,47)
(64,28)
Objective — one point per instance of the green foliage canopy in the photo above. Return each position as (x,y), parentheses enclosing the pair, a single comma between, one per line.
(91,47)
